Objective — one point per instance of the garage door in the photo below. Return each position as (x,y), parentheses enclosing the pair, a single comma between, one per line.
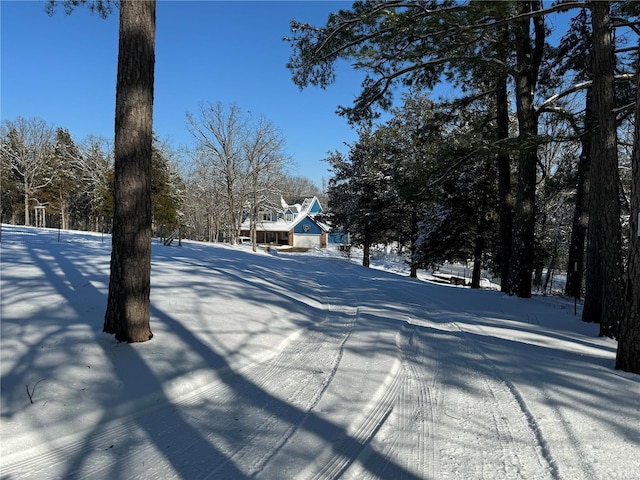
(307,241)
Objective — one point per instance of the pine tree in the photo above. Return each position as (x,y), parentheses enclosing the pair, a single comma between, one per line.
(405,43)
(604,257)
(66,182)
(127,315)
(628,354)
(165,189)
(361,198)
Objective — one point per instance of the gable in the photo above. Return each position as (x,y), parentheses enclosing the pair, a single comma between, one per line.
(307,227)
(315,206)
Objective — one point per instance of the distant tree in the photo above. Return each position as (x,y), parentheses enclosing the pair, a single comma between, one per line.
(343,206)
(220,133)
(412,140)
(93,208)
(461,205)
(27,150)
(298,186)
(204,211)
(555,197)
(362,200)
(66,182)
(10,191)
(241,157)
(264,163)
(166,188)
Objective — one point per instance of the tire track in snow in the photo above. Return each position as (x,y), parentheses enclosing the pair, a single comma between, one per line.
(341,317)
(335,459)
(504,392)
(412,428)
(579,466)
(584,462)
(425,408)
(304,346)
(283,421)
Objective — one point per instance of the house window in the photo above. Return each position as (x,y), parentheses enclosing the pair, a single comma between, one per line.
(265,216)
(288,217)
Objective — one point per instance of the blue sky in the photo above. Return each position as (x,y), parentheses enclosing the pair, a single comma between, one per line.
(63,68)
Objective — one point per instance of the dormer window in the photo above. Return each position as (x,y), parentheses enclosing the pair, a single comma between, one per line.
(288,217)
(265,216)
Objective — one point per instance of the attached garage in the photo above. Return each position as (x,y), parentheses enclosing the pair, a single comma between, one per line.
(308,234)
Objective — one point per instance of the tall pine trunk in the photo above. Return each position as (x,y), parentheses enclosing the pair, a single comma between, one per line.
(604,237)
(528,57)
(504,184)
(127,314)
(575,267)
(628,355)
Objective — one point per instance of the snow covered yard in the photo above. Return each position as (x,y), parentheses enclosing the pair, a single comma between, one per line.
(297,366)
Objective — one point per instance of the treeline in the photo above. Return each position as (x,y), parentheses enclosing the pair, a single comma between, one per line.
(42,166)
(49,179)
(531,167)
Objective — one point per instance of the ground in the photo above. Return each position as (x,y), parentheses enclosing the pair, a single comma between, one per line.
(297,366)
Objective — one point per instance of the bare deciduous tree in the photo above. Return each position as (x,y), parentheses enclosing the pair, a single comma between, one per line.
(242,158)
(27,148)
(265,160)
(220,134)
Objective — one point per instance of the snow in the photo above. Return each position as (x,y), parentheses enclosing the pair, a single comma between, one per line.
(296,366)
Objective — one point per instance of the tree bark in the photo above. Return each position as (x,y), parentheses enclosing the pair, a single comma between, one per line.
(575,267)
(27,221)
(528,59)
(477,256)
(366,252)
(413,269)
(504,185)
(628,355)
(127,315)
(604,237)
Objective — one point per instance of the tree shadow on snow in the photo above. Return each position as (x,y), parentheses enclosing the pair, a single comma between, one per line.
(161,429)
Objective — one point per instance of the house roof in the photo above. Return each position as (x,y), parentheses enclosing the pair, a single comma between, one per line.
(302,208)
